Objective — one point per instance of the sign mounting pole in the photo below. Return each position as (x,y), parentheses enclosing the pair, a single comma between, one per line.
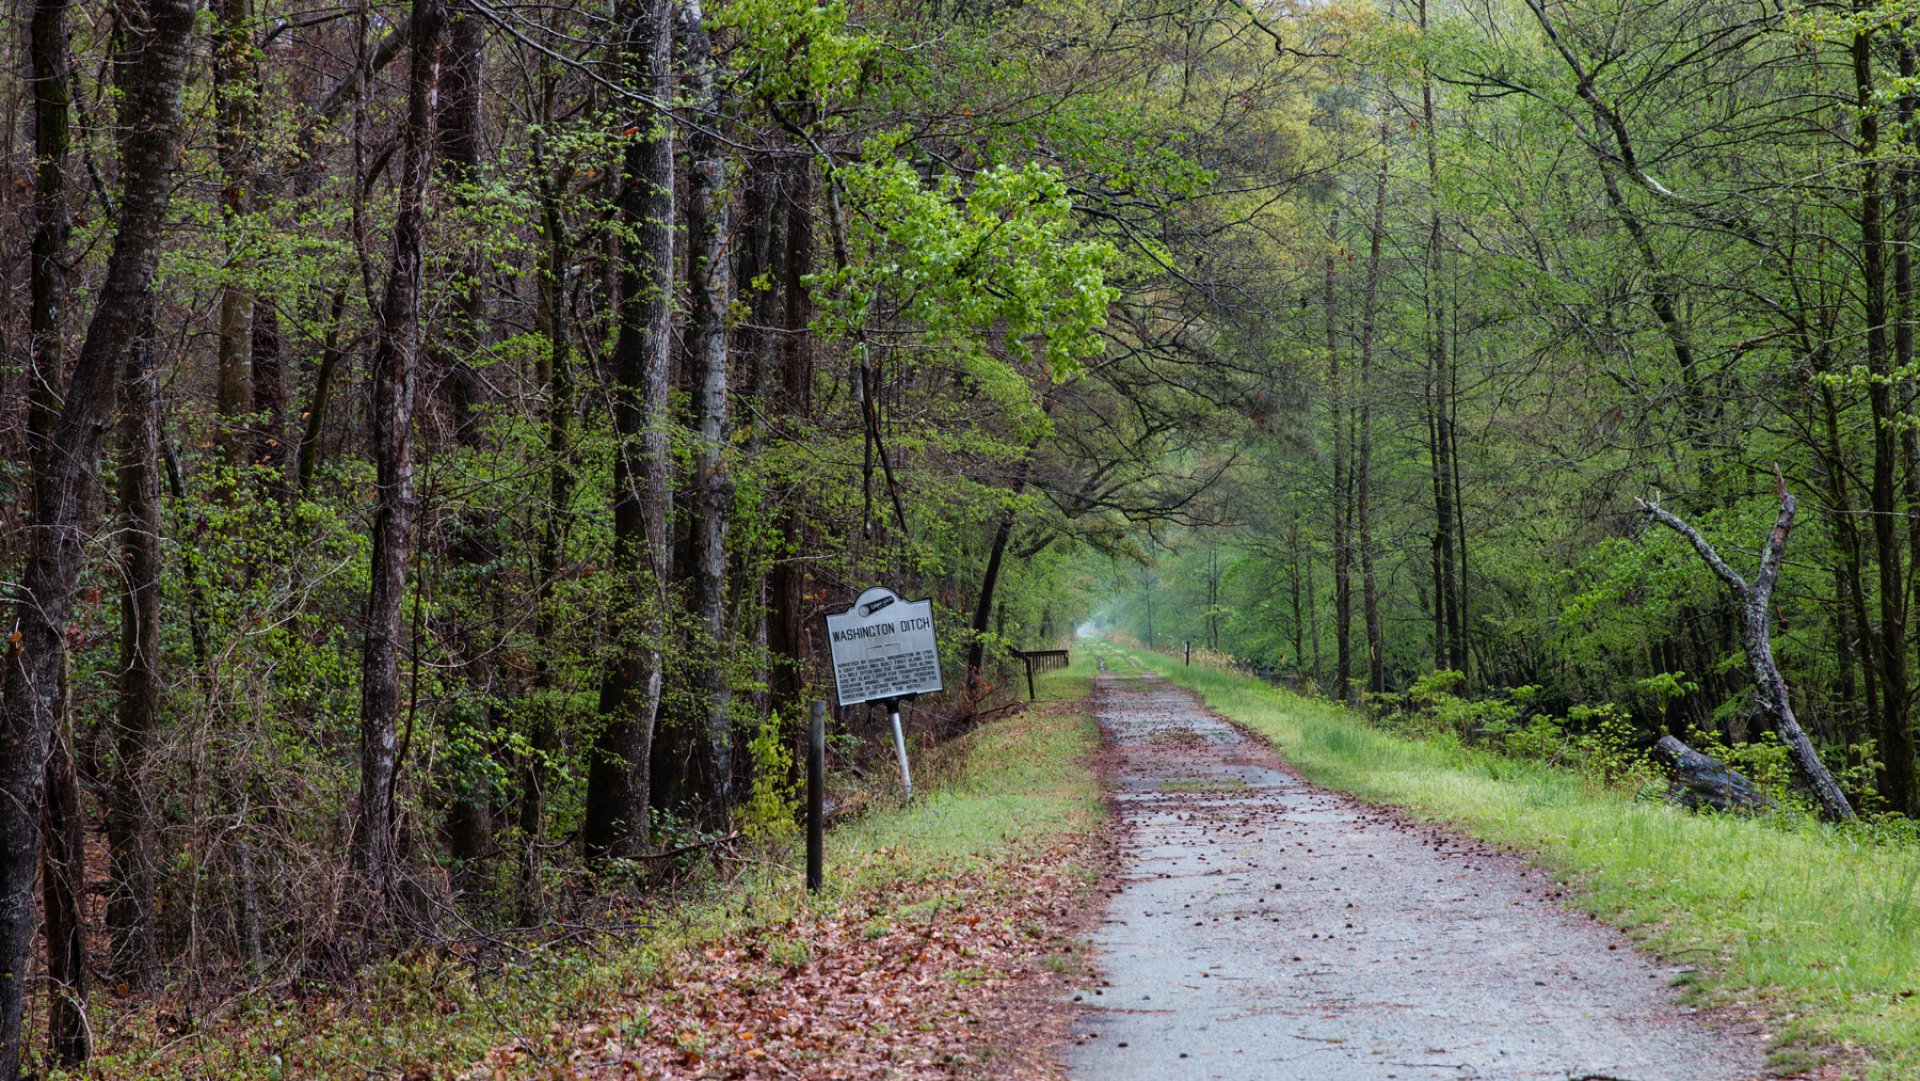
(900,745)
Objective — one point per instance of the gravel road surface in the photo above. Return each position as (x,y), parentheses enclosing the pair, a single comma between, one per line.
(1268,929)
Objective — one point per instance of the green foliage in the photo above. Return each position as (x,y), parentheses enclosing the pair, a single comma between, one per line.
(768,812)
(792,51)
(991,262)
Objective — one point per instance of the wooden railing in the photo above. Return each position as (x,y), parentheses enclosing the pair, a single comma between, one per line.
(1041,660)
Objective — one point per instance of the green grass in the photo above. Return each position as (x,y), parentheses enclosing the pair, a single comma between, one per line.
(1011,786)
(1816,927)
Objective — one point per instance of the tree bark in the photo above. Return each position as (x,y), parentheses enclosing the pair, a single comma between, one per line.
(709,293)
(394,373)
(990,583)
(269,426)
(63,883)
(1900,787)
(332,355)
(1754,601)
(1846,533)
(617,774)
(1446,613)
(154,55)
(788,629)
(130,803)
(52,135)
(1294,584)
(63,874)
(1342,488)
(1363,453)
(236,91)
(458,134)
(558,523)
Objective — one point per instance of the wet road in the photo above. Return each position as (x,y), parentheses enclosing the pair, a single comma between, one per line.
(1267,929)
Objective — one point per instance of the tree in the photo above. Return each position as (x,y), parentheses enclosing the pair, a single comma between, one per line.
(1755,602)
(393,373)
(154,66)
(617,780)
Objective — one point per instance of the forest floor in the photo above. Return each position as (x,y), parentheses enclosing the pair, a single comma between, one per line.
(939,947)
(1270,929)
(944,946)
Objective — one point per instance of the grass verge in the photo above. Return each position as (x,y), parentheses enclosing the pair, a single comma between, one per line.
(1016,785)
(1813,927)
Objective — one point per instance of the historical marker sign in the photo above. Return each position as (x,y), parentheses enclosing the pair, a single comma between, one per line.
(883,648)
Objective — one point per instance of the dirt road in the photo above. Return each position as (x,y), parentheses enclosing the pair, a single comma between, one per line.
(1267,929)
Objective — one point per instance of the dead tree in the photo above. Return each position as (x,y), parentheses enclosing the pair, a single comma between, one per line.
(1701,780)
(1754,600)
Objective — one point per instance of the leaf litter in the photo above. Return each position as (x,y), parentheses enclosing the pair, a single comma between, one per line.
(954,977)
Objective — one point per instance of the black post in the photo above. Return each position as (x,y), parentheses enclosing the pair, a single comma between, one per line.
(1189,652)
(816,795)
(1030,695)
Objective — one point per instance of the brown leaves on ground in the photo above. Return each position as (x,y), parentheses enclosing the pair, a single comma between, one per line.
(948,978)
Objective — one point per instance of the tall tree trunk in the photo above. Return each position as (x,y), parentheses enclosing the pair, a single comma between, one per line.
(1342,487)
(1213,598)
(617,780)
(1896,738)
(1313,620)
(236,93)
(154,54)
(787,626)
(1363,452)
(1446,616)
(459,134)
(1146,589)
(557,525)
(63,875)
(458,131)
(46,314)
(990,584)
(1462,629)
(130,798)
(1846,532)
(1294,589)
(63,884)
(394,373)
(751,566)
(332,354)
(708,296)
(1442,533)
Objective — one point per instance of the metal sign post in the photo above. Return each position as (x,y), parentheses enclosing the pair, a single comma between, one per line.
(884,651)
(900,746)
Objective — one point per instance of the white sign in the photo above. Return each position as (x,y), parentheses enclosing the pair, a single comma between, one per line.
(883,647)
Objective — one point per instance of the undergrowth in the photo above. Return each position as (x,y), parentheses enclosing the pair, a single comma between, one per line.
(1010,786)
(1813,926)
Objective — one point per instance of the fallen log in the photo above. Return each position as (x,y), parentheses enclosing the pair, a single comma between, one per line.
(1704,781)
